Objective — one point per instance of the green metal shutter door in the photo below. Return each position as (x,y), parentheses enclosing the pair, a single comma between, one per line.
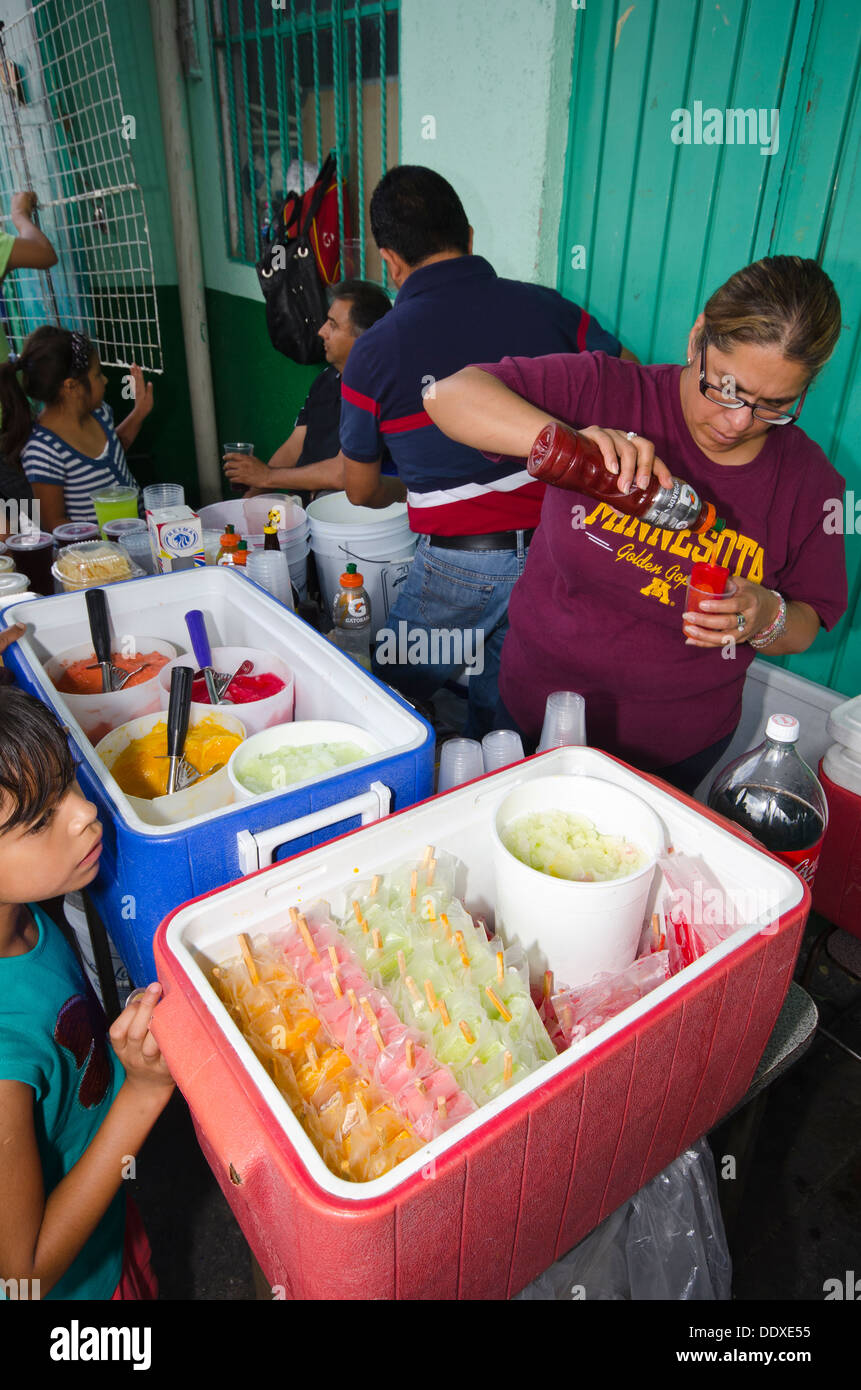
(663,225)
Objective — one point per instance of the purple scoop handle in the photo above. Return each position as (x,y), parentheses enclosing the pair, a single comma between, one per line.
(196,624)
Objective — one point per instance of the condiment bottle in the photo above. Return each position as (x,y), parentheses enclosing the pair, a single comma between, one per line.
(229,543)
(270,538)
(240,555)
(566,458)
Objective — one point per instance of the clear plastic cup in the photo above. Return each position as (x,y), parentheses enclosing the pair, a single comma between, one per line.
(12,584)
(240,448)
(72,532)
(211,546)
(136,543)
(113,502)
(159,495)
(118,529)
(564,720)
(460,760)
(269,569)
(713,587)
(7,564)
(501,748)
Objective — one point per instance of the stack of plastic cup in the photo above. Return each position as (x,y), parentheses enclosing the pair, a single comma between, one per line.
(564,720)
(134,539)
(7,564)
(501,748)
(269,569)
(159,495)
(459,761)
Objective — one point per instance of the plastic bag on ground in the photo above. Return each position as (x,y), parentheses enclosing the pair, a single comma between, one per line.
(666,1242)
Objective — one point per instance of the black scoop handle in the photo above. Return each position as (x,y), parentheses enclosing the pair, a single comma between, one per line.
(97,612)
(178,709)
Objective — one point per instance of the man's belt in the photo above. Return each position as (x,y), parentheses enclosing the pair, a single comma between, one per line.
(493,540)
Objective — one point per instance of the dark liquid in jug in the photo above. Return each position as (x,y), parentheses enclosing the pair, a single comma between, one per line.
(780,821)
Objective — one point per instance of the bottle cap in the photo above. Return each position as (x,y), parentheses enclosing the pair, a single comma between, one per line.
(243,545)
(352,580)
(783,727)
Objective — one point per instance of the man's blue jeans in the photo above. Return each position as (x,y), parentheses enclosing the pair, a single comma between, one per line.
(451,614)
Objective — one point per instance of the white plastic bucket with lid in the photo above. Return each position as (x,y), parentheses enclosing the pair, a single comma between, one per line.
(378,541)
(293,540)
(575,929)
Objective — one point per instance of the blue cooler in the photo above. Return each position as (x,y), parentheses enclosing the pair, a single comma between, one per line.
(147,870)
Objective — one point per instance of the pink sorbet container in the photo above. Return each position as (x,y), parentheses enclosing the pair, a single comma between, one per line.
(257,714)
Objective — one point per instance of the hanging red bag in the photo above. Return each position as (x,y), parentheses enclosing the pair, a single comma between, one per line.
(323,230)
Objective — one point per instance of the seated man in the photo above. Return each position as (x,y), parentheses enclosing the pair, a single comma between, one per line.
(309,460)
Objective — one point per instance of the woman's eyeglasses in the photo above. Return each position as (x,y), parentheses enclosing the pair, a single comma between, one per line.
(770,415)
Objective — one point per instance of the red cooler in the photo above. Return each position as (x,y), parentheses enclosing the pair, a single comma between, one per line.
(481,1210)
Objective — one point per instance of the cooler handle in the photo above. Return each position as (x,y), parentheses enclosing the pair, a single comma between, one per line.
(256,850)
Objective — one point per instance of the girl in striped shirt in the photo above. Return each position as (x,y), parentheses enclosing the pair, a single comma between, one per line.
(72,448)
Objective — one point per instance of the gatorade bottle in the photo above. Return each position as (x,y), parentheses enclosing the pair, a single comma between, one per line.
(568,459)
(229,543)
(351,618)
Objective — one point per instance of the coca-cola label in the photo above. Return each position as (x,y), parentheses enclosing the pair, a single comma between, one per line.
(803,861)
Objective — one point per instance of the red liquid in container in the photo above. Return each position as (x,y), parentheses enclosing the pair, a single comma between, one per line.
(244,690)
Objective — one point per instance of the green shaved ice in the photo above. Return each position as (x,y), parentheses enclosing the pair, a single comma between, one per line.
(295,763)
(568,846)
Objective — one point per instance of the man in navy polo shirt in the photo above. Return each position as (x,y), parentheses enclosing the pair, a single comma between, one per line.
(475,518)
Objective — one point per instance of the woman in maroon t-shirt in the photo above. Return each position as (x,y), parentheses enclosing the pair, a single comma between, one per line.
(600,606)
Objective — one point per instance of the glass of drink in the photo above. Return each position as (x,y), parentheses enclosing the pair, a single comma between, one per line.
(248,450)
(33,553)
(114,502)
(706,582)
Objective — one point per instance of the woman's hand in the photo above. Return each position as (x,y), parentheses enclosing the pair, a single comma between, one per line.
(633,459)
(718,618)
(135,1045)
(144,394)
(245,468)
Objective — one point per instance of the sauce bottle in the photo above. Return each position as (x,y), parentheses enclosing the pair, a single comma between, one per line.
(229,543)
(270,538)
(566,458)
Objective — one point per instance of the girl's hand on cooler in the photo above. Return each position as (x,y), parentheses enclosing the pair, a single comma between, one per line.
(633,459)
(135,1045)
(718,620)
(144,394)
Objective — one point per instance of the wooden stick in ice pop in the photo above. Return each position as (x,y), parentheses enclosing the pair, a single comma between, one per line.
(500,967)
(430,995)
(442,1107)
(412,987)
(402,963)
(431,872)
(444,919)
(336,986)
(333,956)
(376,937)
(444,1015)
(413,889)
(248,958)
(467,1031)
(506,1069)
(358,914)
(410,1051)
(372,1019)
(428,856)
(497,1003)
(354,1003)
(375,884)
(548,983)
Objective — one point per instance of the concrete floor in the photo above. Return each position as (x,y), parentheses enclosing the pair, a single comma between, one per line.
(800,1214)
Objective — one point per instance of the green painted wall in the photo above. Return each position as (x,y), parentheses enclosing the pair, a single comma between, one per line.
(664,224)
(490,80)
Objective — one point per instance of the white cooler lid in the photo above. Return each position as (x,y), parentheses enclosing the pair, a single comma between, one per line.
(843,767)
(844,724)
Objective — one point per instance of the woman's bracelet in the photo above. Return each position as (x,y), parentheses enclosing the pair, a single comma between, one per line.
(774,630)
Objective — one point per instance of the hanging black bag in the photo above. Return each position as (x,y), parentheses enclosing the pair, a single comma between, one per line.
(295,299)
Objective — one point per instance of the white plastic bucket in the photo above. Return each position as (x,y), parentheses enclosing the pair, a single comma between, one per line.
(577,930)
(378,541)
(293,541)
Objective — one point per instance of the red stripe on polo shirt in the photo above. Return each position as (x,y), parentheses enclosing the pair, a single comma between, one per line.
(582,330)
(501,511)
(356,398)
(406,422)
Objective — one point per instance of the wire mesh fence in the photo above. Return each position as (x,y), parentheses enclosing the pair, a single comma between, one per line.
(64,134)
